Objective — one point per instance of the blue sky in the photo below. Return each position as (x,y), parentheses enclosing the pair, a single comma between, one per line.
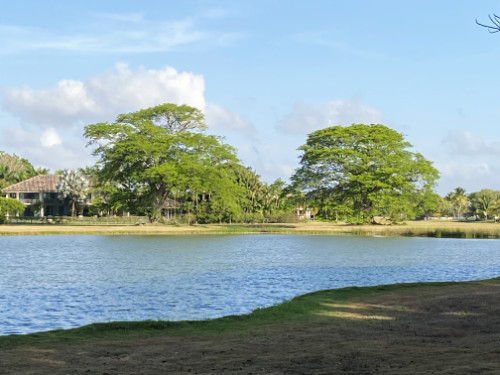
(265,73)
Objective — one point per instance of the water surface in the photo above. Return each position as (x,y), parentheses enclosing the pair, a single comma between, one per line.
(49,282)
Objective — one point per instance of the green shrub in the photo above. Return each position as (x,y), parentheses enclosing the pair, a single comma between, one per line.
(250,217)
(281,217)
(9,206)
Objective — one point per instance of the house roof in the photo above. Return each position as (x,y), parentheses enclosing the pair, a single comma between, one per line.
(171,203)
(42,183)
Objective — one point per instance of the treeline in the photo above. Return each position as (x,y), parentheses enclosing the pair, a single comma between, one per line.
(14,169)
(233,194)
(483,204)
(160,162)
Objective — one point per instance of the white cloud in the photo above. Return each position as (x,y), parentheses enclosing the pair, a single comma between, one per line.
(270,158)
(120,33)
(306,118)
(46,148)
(471,175)
(465,159)
(453,169)
(463,142)
(219,118)
(103,96)
(61,111)
(50,138)
(52,119)
(272,170)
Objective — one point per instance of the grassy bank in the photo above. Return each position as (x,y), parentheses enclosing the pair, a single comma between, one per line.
(299,308)
(399,329)
(305,307)
(413,228)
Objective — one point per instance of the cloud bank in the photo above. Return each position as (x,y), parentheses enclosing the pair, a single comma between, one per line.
(464,142)
(465,159)
(103,96)
(56,115)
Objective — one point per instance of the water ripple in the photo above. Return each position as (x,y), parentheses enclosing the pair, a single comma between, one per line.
(49,282)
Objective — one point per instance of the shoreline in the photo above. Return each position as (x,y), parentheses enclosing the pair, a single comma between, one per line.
(270,312)
(392,329)
(446,229)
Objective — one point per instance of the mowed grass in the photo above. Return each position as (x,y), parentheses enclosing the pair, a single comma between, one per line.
(440,229)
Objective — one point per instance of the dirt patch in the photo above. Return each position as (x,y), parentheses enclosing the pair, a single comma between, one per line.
(428,330)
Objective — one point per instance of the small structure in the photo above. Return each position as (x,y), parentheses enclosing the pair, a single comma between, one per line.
(40,196)
(169,208)
(307,213)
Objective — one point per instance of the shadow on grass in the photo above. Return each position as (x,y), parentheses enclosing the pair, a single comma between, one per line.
(353,304)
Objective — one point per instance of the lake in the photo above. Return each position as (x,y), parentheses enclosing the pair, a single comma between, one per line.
(49,282)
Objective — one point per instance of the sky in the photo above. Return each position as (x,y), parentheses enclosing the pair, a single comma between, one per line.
(266,73)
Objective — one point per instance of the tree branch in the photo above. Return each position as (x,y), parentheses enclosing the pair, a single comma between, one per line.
(495,28)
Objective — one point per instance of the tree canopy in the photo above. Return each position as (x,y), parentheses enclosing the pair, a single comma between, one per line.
(9,206)
(159,161)
(14,169)
(174,118)
(152,154)
(361,171)
(458,201)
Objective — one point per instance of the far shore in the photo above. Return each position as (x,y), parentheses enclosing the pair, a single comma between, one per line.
(411,228)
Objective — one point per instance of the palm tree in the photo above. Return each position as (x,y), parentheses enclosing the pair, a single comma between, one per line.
(459,201)
(271,195)
(254,187)
(485,201)
(75,186)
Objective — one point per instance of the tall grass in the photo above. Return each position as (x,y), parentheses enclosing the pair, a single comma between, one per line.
(433,229)
(417,228)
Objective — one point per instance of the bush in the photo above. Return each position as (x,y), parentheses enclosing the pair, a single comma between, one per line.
(188,218)
(9,206)
(250,217)
(281,217)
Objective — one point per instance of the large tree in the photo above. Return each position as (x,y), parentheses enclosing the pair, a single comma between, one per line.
(153,154)
(361,171)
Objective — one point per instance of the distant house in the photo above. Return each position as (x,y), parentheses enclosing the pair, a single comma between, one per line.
(39,195)
(302,213)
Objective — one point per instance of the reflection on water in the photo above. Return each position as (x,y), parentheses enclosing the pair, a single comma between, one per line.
(49,282)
